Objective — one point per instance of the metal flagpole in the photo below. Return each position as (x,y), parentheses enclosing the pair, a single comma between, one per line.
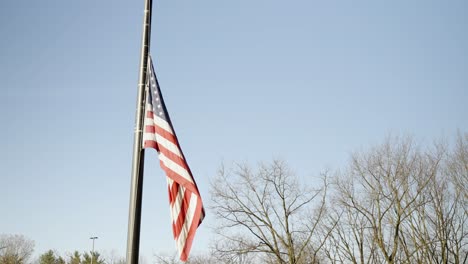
(136,191)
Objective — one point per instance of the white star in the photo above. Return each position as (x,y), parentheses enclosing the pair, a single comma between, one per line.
(159,106)
(160,113)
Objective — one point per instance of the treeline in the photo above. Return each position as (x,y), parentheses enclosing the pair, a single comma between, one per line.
(397,202)
(17,249)
(50,257)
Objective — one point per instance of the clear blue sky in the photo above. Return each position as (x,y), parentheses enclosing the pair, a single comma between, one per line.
(306,81)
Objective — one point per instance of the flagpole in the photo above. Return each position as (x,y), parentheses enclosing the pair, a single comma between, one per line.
(136,191)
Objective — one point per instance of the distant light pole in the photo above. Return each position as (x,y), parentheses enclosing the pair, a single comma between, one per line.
(92,252)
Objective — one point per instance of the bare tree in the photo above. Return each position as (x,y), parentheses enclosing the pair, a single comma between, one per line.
(231,256)
(113,257)
(15,249)
(442,222)
(458,167)
(349,241)
(399,204)
(457,170)
(380,189)
(194,259)
(269,213)
(166,259)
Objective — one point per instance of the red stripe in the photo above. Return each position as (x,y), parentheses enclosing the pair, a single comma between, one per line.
(179,179)
(178,223)
(149,114)
(193,229)
(175,158)
(149,129)
(166,134)
(173,188)
(151,144)
(169,154)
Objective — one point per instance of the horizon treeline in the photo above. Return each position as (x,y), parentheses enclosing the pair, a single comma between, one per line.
(396,202)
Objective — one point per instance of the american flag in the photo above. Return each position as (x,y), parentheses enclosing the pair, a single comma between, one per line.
(186,206)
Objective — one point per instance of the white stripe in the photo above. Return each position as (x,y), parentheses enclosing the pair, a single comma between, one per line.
(158,138)
(175,207)
(148,108)
(187,223)
(148,137)
(175,167)
(162,124)
(168,145)
(148,122)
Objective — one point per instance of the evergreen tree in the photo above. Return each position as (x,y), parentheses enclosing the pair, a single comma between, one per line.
(60,260)
(75,258)
(47,258)
(51,258)
(96,258)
